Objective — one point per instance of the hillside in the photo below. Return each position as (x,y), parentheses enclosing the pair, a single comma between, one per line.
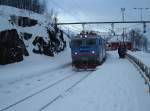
(33,33)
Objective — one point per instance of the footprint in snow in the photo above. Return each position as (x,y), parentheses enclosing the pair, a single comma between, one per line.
(39,80)
(27,84)
(7,92)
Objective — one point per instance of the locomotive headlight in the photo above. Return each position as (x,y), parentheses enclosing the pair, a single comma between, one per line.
(75,53)
(93,52)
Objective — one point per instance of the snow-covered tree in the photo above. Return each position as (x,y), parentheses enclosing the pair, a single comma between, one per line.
(138,40)
(33,5)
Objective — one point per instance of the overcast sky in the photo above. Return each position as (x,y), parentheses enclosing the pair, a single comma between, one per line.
(98,10)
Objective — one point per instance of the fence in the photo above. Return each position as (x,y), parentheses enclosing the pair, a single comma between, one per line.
(145,69)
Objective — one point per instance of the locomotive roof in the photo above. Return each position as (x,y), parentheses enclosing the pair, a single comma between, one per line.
(86,37)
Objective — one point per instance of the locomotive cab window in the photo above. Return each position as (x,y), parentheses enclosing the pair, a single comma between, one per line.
(90,41)
(77,43)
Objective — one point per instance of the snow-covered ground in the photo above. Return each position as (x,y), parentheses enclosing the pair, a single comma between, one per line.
(143,56)
(32,73)
(115,86)
(42,83)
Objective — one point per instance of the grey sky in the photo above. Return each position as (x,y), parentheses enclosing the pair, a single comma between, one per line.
(98,10)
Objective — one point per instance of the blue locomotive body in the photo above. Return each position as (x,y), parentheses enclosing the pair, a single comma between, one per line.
(87,52)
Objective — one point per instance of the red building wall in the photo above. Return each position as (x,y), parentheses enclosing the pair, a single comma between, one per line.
(115,45)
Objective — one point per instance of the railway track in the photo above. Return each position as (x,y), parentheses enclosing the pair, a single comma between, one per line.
(40,91)
(67,90)
(51,87)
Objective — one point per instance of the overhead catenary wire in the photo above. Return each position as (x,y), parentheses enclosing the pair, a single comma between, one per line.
(68,13)
(128,27)
(59,6)
(70,29)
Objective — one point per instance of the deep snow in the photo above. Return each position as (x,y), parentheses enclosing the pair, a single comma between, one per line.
(116,85)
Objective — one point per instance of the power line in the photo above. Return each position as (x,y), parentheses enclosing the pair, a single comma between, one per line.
(76,27)
(118,29)
(141,12)
(109,22)
(70,28)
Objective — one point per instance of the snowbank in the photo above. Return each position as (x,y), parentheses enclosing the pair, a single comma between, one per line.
(143,56)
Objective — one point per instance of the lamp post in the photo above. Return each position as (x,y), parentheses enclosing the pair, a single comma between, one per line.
(141,12)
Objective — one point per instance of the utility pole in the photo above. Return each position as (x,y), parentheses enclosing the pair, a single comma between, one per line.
(68,33)
(123,12)
(112,29)
(141,17)
(83,27)
(141,12)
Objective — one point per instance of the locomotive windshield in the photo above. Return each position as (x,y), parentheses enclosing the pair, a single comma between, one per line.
(77,43)
(91,41)
(84,42)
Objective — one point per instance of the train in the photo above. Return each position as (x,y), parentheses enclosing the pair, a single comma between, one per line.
(87,51)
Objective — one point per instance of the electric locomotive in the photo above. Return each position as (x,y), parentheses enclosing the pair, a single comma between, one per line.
(87,51)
